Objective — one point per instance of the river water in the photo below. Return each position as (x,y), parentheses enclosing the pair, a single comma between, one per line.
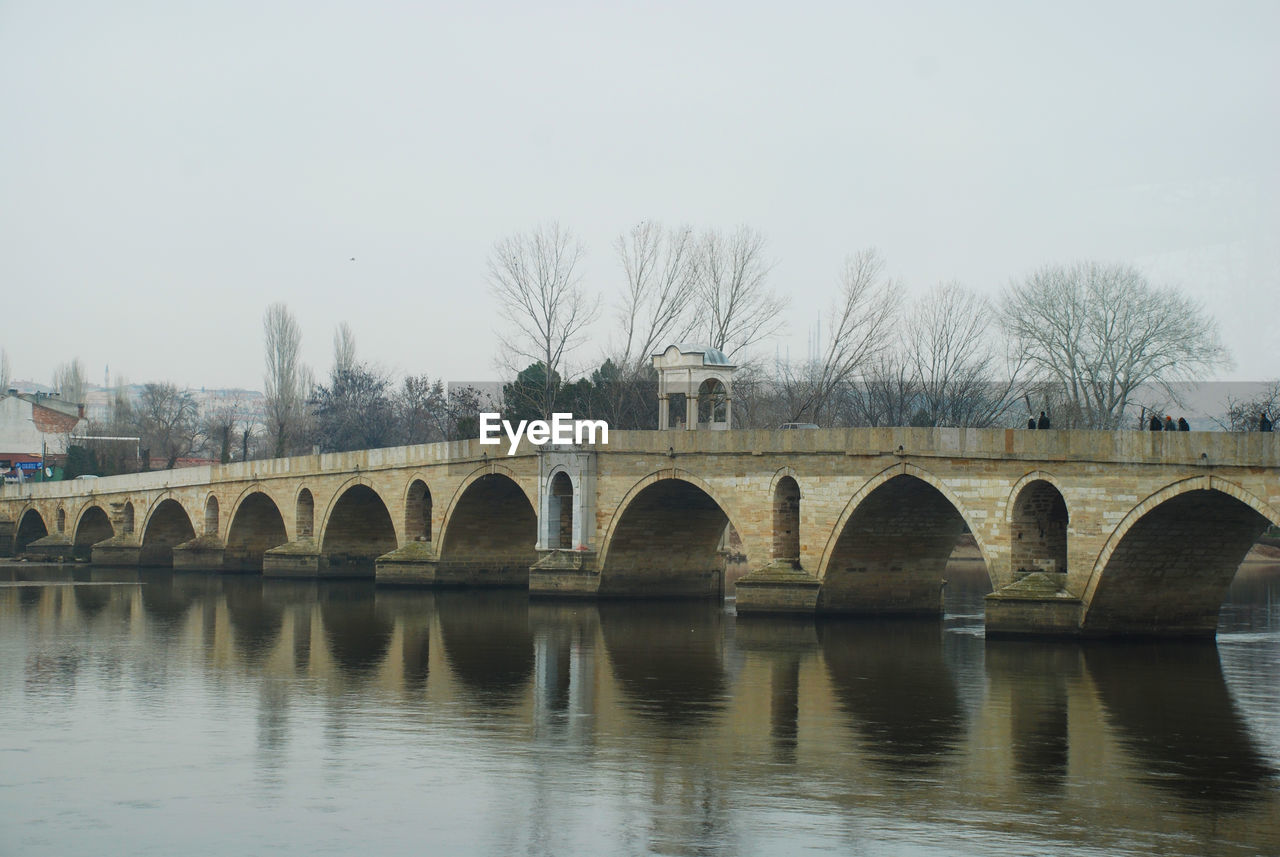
(158,713)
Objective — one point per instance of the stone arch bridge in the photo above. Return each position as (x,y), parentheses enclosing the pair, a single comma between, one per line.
(1082,532)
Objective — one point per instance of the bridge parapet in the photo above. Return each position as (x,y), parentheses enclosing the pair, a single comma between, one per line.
(1197,448)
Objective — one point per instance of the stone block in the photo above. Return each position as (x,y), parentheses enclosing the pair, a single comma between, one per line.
(779,587)
(56,547)
(415,564)
(203,553)
(1037,605)
(120,551)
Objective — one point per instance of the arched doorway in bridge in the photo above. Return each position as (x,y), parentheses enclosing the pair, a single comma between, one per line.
(359,530)
(30,527)
(305,514)
(168,526)
(94,527)
(1169,570)
(256,527)
(560,512)
(891,554)
(668,542)
(417,512)
(786,520)
(126,518)
(61,519)
(211,516)
(492,532)
(1038,530)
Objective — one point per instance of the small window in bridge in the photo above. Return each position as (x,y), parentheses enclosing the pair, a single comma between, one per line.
(560,510)
(305,517)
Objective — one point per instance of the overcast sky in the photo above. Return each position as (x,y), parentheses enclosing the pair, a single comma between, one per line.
(169,168)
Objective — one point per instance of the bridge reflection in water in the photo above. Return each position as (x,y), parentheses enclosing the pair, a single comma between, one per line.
(503,725)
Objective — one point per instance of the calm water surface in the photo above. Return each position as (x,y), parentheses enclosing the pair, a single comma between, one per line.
(190,714)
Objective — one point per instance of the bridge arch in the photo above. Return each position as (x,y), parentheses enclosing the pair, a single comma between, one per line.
(256,526)
(167,524)
(31,526)
(93,526)
(1166,567)
(1039,521)
(666,538)
(357,529)
(891,544)
(491,525)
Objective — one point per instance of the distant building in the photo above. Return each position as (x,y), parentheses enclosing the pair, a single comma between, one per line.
(35,429)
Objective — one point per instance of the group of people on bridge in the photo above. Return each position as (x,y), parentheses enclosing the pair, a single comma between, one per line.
(1153,424)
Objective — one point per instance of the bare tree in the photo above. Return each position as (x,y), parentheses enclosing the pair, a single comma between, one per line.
(421,409)
(964,372)
(69,381)
(661,267)
(533,276)
(285,390)
(114,442)
(860,323)
(165,419)
(220,427)
(885,395)
(1102,331)
(757,399)
(736,307)
(344,349)
(354,410)
(465,406)
(1245,414)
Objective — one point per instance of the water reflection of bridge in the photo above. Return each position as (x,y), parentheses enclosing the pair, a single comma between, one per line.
(1123,736)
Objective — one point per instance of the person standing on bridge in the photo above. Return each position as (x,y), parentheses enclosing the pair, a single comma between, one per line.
(1264,424)
(1168,423)
(1043,422)
(1155,424)
(1183,425)
(1031,422)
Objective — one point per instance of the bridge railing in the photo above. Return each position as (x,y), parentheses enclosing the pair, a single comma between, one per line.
(267,468)
(1253,449)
